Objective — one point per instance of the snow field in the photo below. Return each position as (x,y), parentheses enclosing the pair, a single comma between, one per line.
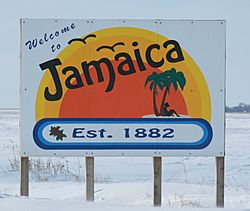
(125,183)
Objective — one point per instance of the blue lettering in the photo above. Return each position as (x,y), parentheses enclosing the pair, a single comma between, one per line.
(51,36)
(91,134)
(34,43)
(65,29)
(78,133)
(40,41)
(46,37)
(73,26)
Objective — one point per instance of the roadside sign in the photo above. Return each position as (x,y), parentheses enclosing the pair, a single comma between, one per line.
(122,87)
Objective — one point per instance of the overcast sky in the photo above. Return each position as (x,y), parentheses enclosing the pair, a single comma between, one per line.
(237,14)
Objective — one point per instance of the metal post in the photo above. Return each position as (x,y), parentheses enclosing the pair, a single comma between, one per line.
(89,178)
(24,187)
(220,181)
(157,180)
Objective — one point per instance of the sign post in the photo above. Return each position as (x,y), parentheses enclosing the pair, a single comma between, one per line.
(89,178)
(157,181)
(220,181)
(24,188)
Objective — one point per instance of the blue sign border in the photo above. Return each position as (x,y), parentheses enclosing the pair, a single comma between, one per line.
(200,144)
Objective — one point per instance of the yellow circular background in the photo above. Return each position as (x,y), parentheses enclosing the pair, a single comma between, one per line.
(196,93)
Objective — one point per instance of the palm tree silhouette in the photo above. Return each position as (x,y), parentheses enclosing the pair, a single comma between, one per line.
(171,77)
(156,81)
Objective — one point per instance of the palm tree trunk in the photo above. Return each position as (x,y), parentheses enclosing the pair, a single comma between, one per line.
(155,105)
(163,101)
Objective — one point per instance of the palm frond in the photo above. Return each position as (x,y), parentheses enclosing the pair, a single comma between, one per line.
(152,77)
(181,80)
(175,84)
(151,85)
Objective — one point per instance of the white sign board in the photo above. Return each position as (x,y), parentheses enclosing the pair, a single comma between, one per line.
(122,87)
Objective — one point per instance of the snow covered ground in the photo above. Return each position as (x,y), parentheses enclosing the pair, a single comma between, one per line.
(125,183)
